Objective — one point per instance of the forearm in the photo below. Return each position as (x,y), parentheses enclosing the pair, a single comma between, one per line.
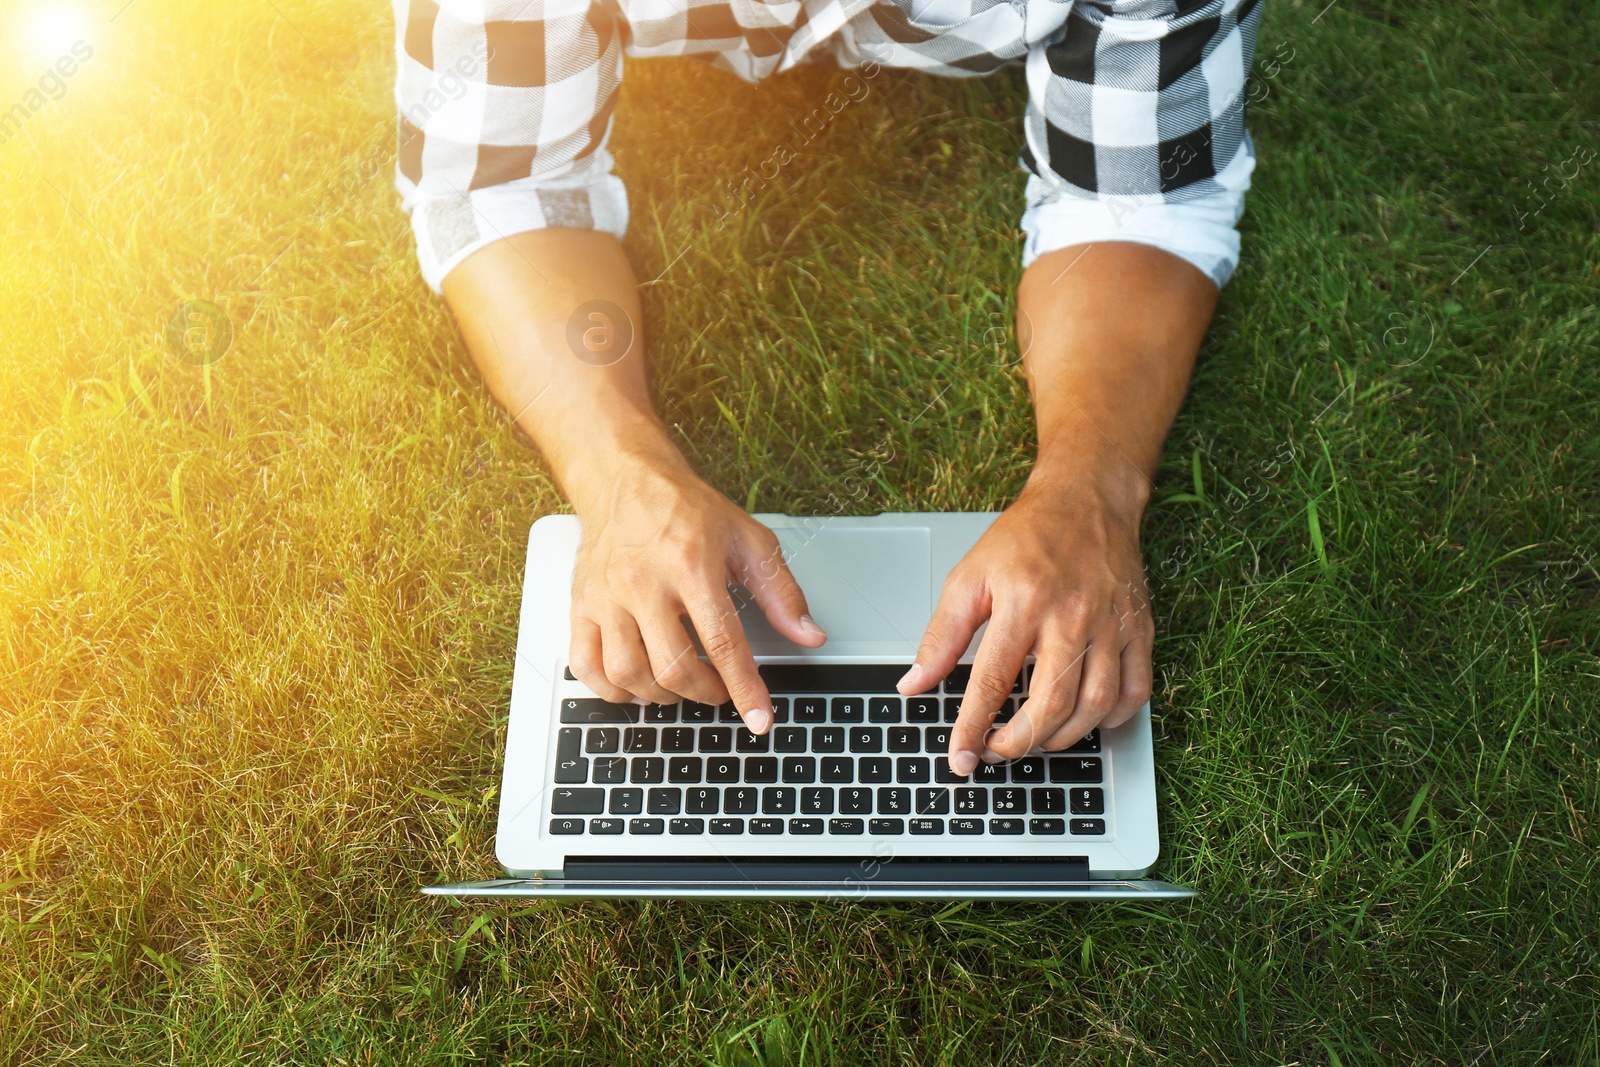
(587,408)
(1109,334)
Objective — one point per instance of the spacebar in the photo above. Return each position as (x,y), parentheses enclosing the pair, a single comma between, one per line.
(831,677)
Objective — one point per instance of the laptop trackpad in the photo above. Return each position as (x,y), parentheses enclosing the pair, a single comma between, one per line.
(863,585)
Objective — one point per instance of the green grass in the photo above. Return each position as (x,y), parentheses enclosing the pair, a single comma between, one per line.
(259,617)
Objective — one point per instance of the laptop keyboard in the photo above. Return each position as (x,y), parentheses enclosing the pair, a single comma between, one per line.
(846,756)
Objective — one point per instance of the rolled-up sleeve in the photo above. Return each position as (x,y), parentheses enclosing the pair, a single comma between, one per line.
(505,107)
(1135,129)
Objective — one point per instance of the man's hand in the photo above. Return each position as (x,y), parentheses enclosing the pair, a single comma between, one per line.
(1108,334)
(658,545)
(1060,577)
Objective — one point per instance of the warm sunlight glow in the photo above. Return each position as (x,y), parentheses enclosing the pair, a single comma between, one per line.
(43,32)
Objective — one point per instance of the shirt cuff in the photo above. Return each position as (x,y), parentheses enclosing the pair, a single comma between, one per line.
(451,227)
(1201,231)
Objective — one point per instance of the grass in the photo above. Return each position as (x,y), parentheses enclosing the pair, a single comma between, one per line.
(258,615)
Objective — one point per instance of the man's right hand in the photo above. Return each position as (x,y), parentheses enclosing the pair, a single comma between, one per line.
(659,544)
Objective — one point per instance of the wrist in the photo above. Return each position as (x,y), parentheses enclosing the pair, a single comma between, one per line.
(1110,485)
(619,455)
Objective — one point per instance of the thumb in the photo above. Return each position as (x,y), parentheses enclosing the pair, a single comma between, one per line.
(760,567)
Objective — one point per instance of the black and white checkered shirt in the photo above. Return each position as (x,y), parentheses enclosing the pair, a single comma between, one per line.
(1134,128)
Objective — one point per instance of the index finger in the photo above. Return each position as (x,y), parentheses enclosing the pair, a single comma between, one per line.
(716,621)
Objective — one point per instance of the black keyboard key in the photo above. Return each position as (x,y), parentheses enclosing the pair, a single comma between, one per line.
(1049,800)
(586,709)
(687,826)
(702,800)
(838,770)
(1010,800)
(1090,827)
(952,709)
(943,773)
(639,739)
(722,769)
(566,672)
(894,800)
(875,769)
(577,801)
(716,739)
(647,770)
(659,713)
(990,773)
(905,739)
(828,739)
(1071,769)
(572,771)
(922,709)
(866,739)
(626,801)
(970,800)
(1047,826)
(855,801)
(1088,801)
(886,826)
(933,801)
(610,770)
(694,711)
(1016,686)
(848,709)
(801,770)
(766,826)
(805,826)
(1088,744)
(739,800)
(605,826)
(936,739)
(956,681)
(1027,770)
(818,800)
(927,826)
(1005,826)
(1006,712)
(761,769)
(845,826)
(683,769)
(883,709)
(811,710)
(727,826)
(789,739)
(644,826)
(566,826)
(677,739)
(603,739)
(780,709)
(777,800)
(663,801)
(831,677)
(728,713)
(745,741)
(966,826)
(911,769)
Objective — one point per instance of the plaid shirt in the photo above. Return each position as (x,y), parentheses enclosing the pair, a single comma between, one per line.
(1134,128)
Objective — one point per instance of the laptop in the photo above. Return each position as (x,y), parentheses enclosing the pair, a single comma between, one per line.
(848,796)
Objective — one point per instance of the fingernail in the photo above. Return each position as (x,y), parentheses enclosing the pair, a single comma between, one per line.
(808,623)
(963,763)
(991,756)
(641,701)
(758,720)
(910,677)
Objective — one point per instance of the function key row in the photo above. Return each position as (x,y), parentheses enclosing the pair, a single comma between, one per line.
(848,827)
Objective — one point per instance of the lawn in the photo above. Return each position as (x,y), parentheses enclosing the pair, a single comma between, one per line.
(259,604)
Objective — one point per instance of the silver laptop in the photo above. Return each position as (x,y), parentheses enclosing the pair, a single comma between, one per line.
(848,796)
